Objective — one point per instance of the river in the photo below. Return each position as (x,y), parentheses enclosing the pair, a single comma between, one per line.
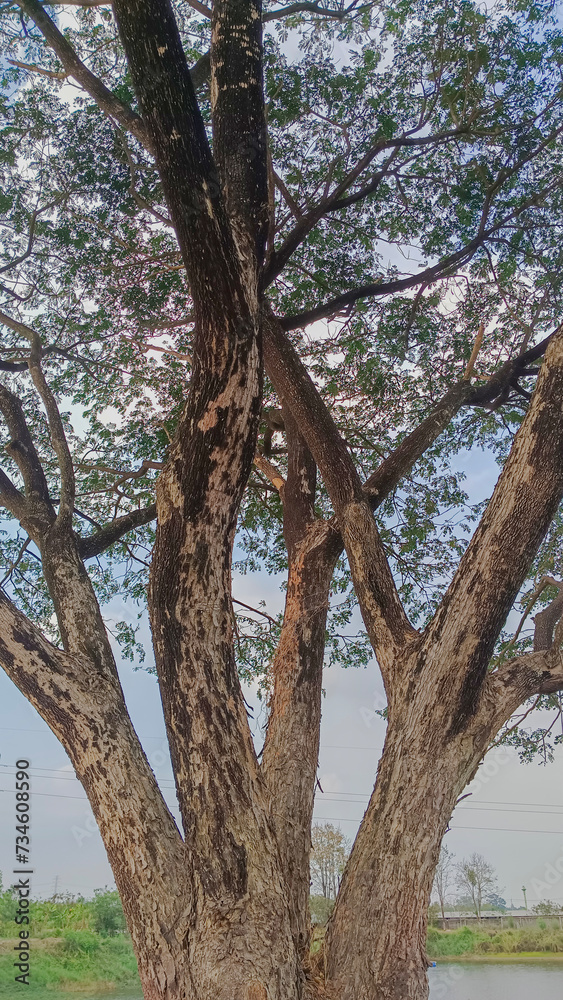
(496,981)
(448,981)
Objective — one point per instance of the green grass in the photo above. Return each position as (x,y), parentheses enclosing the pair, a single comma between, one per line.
(75,961)
(531,941)
(76,944)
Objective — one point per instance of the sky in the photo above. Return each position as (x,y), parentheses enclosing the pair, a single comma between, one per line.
(513,816)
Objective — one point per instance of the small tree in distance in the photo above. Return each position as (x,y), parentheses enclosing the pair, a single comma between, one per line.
(476,878)
(329,853)
(444,878)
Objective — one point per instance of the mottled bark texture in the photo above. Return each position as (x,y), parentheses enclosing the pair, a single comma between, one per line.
(219,911)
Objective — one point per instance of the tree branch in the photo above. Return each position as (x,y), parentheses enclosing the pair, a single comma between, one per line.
(103,97)
(22,450)
(268,469)
(336,201)
(12,499)
(32,68)
(239,120)
(383,613)
(437,271)
(58,436)
(498,557)
(96,543)
(508,687)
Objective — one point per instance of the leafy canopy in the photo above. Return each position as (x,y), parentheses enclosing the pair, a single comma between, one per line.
(429,133)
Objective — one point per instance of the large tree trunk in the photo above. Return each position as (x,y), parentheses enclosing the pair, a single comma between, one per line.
(389,875)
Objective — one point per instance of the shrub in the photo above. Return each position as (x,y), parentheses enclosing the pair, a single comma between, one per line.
(109,918)
(80,943)
(321,909)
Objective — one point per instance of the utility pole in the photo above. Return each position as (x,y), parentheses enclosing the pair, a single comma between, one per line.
(55,887)
(525,900)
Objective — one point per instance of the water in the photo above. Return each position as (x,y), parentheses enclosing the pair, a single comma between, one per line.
(496,981)
(448,981)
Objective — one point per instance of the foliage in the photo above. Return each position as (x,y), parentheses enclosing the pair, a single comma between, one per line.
(329,853)
(546,907)
(92,263)
(64,912)
(108,912)
(321,908)
(470,941)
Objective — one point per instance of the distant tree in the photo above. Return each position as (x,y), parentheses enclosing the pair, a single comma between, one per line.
(108,912)
(444,877)
(547,908)
(495,901)
(329,853)
(476,878)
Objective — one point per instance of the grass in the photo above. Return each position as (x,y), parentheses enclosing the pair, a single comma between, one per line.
(77,961)
(76,945)
(545,940)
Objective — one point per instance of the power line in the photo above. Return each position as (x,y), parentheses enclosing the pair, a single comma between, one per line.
(484,829)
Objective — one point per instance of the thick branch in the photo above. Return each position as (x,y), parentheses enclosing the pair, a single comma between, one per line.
(290,757)
(298,494)
(96,543)
(375,289)
(87,713)
(384,616)
(546,620)
(22,450)
(103,97)
(12,499)
(515,681)
(58,436)
(239,121)
(393,468)
(494,566)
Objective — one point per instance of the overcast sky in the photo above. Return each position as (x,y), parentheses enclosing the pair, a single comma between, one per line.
(514,815)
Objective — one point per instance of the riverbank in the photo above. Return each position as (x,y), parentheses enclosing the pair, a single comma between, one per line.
(543,941)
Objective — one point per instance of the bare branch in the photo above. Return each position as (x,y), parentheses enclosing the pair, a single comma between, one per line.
(32,68)
(269,470)
(57,431)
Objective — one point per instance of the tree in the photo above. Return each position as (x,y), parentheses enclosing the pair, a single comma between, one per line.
(476,877)
(221,220)
(547,908)
(443,878)
(329,853)
(108,912)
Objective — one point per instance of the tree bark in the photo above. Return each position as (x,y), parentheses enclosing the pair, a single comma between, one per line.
(291,749)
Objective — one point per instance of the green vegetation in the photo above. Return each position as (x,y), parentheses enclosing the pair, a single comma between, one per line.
(76,943)
(544,937)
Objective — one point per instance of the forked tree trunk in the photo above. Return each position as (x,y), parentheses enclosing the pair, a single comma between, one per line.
(220,913)
(389,876)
